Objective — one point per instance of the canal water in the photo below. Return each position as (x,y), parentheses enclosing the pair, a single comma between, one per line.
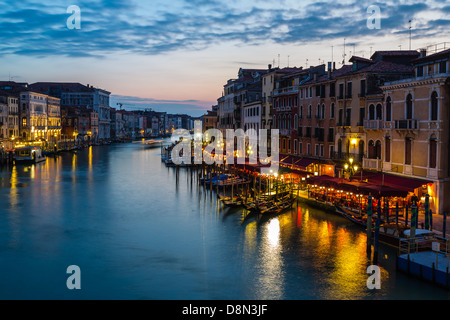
(137,230)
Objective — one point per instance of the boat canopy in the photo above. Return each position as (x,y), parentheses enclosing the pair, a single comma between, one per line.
(419,232)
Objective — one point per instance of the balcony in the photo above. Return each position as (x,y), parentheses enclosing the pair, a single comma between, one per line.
(373,124)
(432,173)
(372,164)
(286,90)
(409,124)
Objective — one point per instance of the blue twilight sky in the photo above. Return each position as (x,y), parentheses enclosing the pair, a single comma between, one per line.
(176,55)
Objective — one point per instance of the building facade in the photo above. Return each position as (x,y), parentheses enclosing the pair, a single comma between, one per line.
(416,130)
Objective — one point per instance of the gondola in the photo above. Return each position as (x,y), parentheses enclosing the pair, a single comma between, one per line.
(232,202)
(351,216)
(274,207)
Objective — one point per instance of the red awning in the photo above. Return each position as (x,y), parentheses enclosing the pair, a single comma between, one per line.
(287,160)
(374,190)
(304,163)
(397,182)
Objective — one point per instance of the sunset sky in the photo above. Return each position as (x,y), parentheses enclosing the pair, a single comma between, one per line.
(175,56)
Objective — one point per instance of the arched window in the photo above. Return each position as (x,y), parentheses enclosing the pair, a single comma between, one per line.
(409,107)
(433,152)
(371,150)
(408,150)
(361,150)
(434,106)
(318,112)
(379,112)
(296,122)
(339,149)
(301,112)
(323,111)
(309,111)
(388,109)
(371,112)
(289,122)
(387,149)
(378,149)
(332,111)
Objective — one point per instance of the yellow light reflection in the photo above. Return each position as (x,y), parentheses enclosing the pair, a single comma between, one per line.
(348,278)
(250,236)
(74,162)
(90,158)
(273,233)
(271,278)
(13,192)
(33,172)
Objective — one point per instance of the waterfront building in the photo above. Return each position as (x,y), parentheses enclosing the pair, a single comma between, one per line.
(416,136)
(269,81)
(301,97)
(28,112)
(230,109)
(117,124)
(53,119)
(209,120)
(76,96)
(3,118)
(93,133)
(10,117)
(358,97)
(33,116)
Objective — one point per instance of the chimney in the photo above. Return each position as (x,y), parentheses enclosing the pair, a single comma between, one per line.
(270,67)
(423,53)
(315,76)
(329,70)
(334,66)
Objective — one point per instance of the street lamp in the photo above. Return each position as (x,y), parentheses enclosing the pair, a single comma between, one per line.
(350,168)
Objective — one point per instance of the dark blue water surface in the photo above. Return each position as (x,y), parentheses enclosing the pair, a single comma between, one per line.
(139,231)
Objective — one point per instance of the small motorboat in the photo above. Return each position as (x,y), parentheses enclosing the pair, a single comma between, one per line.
(29,155)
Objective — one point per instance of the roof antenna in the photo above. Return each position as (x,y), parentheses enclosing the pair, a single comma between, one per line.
(332,55)
(410,27)
(343,56)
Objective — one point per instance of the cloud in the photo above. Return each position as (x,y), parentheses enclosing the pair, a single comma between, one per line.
(156,27)
(192,107)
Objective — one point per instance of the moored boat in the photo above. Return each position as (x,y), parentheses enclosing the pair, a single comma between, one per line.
(393,233)
(151,144)
(29,155)
(357,219)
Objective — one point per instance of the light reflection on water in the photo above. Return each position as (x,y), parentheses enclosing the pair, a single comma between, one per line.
(139,230)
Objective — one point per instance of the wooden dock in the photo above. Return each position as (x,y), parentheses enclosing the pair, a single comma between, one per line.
(428,265)
(431,265)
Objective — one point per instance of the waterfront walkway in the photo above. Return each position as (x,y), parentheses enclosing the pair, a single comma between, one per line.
(437,221)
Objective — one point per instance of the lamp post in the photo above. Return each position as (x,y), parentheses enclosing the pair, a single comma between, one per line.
(351,168)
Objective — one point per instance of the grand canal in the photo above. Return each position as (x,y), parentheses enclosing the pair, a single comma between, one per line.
(137,230)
